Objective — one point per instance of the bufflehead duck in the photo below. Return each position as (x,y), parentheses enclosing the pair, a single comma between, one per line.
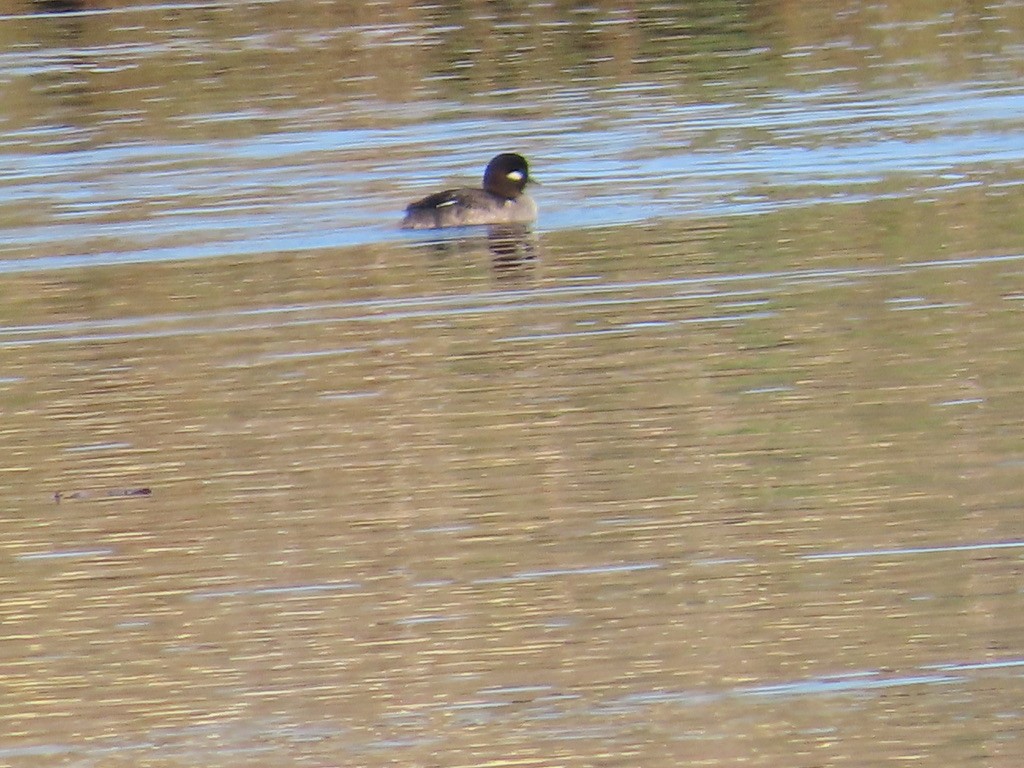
(501,201)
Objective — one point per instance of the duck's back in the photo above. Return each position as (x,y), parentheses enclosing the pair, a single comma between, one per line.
(466,207)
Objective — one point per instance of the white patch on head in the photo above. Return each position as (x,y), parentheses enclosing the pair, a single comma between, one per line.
(515,175)
(446,202)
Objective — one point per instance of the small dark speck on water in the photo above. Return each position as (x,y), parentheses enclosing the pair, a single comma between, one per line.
(112,493)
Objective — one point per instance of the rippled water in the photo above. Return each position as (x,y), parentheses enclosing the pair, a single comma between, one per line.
(721,465)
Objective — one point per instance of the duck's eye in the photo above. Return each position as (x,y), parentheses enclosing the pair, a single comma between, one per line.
(515,175)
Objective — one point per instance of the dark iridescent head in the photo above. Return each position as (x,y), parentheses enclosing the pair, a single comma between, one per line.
(507,175)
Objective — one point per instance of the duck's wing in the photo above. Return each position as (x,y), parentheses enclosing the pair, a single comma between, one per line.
(443,209)
(445,199)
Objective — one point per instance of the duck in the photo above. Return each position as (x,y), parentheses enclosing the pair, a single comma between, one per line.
(500,201)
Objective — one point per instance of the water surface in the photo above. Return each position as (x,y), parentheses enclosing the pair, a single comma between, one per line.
(721,465)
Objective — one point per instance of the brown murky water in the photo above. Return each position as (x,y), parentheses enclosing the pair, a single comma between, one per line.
(722,465)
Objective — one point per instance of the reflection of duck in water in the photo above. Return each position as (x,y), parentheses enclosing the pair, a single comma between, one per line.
(501,201)
(511,245)
(59,6)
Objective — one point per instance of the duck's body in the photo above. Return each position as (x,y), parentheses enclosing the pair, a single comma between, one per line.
(501,201)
